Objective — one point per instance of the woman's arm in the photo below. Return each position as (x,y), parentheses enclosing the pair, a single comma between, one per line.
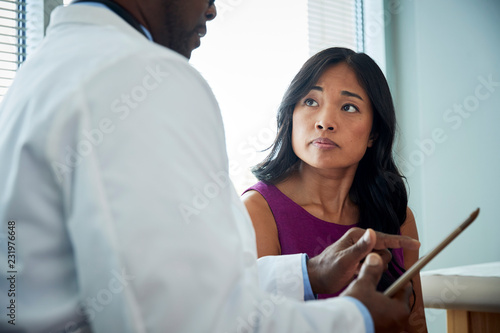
(416,323)
(266,232)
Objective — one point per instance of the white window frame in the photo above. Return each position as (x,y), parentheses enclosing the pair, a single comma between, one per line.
(374,31)
(12,40)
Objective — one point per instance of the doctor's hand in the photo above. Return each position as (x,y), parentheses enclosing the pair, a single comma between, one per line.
(338,264)
(388,314)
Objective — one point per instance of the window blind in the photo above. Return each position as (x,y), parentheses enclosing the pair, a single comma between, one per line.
(12,41)
(335,23)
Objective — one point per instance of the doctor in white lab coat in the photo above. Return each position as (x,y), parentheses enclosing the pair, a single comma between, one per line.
(116,208)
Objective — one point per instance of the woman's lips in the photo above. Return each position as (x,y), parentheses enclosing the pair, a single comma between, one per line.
(324,143)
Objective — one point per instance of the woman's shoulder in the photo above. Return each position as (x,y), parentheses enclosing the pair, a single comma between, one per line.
(263,222)
(253,197)
(260,187)
(261,193)
(409,226)
(410,217)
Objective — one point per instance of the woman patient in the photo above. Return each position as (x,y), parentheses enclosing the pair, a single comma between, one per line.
(331,168)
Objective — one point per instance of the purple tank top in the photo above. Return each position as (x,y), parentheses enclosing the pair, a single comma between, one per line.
(301,232)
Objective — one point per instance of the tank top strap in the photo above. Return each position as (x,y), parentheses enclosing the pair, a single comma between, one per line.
(281,206)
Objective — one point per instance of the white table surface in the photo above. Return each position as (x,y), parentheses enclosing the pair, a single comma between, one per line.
(472,288)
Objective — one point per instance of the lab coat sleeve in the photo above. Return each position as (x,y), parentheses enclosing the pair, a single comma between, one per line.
(162,242)
(282,275)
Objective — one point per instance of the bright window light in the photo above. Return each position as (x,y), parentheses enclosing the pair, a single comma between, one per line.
(252,51)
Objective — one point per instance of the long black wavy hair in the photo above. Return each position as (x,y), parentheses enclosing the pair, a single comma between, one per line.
(378,188)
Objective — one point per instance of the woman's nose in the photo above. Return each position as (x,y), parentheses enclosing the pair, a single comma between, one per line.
(325,125)
(327,118)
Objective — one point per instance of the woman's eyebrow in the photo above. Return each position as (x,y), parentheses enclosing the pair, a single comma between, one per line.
(350,94)
(343,92)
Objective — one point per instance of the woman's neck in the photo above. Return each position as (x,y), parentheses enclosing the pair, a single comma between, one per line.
(323,193)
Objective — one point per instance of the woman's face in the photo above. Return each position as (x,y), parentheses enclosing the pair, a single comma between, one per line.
(332,123)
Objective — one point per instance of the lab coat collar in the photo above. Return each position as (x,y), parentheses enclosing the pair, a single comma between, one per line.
(89,15)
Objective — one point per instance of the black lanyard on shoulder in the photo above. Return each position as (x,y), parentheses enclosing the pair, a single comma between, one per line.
(120,11)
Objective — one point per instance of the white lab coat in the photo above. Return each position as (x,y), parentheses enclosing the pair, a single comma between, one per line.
(114,169)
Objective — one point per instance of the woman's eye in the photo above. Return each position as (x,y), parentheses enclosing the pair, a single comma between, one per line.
(349,108)
(310,102)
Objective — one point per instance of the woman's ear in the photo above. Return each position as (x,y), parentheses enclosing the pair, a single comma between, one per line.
(373,137)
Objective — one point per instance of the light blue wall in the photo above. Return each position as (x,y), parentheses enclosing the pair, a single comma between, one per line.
(438,53)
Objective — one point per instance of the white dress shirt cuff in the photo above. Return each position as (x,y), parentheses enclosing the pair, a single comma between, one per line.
(308,293)
(282,275)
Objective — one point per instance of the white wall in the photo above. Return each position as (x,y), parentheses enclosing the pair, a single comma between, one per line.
(439,54)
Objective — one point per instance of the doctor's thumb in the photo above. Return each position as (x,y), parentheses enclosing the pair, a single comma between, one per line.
(372,269)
